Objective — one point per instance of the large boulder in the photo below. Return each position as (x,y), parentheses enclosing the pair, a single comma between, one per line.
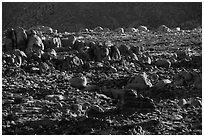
(120,30)
(115,53)
(145,59)
(18,57)
(106,30)
(136,49)
(49,54)
(11,39)
(98,29)
(143,28)
(68,41)
(21,38)
(99,52)
(51,42)
(164,63)
(162,83)
(196,60)
(35,43)
(34,54)
(78,44)
(78,82)
(57,42)
(139,82)
(84,30)
(133,103)
(131,30)
(104,52)
(182,54)
(71,62)
(164,29)
(124,50)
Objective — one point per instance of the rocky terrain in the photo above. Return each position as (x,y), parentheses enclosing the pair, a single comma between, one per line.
(155,91)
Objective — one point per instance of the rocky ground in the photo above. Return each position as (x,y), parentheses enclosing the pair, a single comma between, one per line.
(41,103)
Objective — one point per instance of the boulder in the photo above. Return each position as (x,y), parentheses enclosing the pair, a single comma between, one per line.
(94,111)
(139,82)
(106,30)
(35,43)
(136,49)
(78,82)
(79,44)
(146,60)
(104,51)
(164,29)
(124,50)
(188,76)
(131,30)
(143,28)
(51,43)
(98,29)
(134,57)
(43,67)
(155,77)
(35,54)
(198,84)
(162,83)
(11,35)
(114,53)
(68,41)
(57,42)
(85,30)
(179,82)
(177,29)
(71,62)
(196,102)
(182,102)
(20,53)
(162,63)
(14,60)
(21,38)
(196,60)
(133,103)
(119,30)
(181,54)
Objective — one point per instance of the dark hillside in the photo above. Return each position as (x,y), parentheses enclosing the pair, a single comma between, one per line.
(73,16)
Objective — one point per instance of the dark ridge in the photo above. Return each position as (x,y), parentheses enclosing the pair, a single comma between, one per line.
(72,16)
